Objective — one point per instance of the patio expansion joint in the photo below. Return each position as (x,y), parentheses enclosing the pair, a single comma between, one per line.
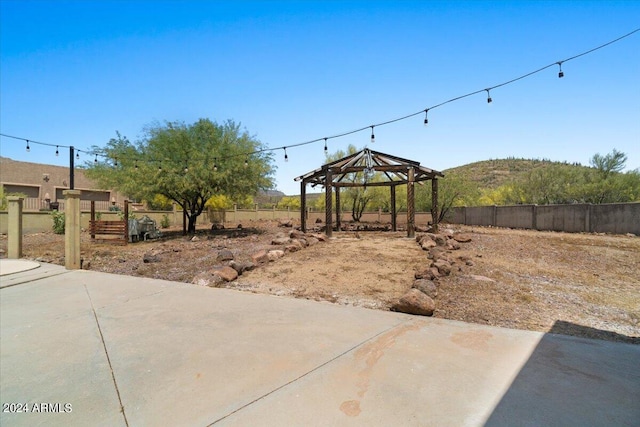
(104,346)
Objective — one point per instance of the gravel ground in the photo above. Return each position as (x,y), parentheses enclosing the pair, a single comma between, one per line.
(585,285)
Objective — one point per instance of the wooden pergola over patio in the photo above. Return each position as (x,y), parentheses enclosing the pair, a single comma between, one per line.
(392,170)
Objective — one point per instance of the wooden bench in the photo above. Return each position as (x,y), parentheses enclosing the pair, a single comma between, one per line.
(118,229)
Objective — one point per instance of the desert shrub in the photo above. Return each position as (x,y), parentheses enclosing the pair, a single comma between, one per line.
(58,222)
(165,222)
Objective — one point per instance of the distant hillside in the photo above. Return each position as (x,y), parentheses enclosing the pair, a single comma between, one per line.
(494,173)
(268,197)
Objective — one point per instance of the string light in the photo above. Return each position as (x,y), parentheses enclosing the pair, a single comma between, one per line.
(135,164)
(426,119)
(159,167)
(286,157)
(425,111)
(246,161)
(95,161)
(325,146)
(115,163)
(215,164)
(560,72)
(186,169)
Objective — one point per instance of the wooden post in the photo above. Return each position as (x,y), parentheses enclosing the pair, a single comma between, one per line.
(72,229)
(328,203)
(126,222)
(411,213)
(434,204)
(338,210)
(14,227)
(394,223)
(92,219)
(303,206)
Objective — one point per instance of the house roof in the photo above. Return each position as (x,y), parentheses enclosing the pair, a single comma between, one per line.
(388,170)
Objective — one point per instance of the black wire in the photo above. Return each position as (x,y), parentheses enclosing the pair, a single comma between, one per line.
(350,132)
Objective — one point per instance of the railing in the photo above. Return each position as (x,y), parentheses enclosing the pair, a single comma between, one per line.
(35,204)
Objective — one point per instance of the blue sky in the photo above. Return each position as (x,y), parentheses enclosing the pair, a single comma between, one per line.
(75,72)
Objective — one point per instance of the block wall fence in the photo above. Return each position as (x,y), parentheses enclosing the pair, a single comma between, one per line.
(615,218)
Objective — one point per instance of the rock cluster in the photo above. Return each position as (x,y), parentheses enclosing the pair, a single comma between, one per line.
(420,298)
(230,268)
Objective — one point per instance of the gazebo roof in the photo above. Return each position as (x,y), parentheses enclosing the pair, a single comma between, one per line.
(394,170)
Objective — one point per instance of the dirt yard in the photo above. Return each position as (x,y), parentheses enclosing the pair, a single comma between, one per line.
(577,284)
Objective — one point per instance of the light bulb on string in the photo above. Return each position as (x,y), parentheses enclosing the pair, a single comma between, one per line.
(215,164)
(325,146)
(57,152)
(373,137)
(489,100)
(115,163)
(426,119)
(160,167)
(246,161)
(560,72)
(135,164)
(28,148)
(286,157)
(95,161)
(78,155)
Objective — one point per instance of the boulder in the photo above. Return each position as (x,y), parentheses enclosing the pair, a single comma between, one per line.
(280,241)
(260,257)
(415,302)
(427,287)
(462,238)
(426,244)
(320,237)
(312,240)
(225,255)
(292,248)
(207,278)
(440,240)
(452,245)
(275,254)
(285,223)
(444,268)
(436,253)
(226,273)
(296,234)
(150,257)
(241,267)
(425,274)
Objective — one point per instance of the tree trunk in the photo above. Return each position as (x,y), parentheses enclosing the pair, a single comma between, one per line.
(191,229)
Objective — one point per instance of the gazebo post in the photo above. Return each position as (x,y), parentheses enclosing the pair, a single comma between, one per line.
(338,216)
(411,216)
(328,203)
(394,225)
(434,204)
(303,206)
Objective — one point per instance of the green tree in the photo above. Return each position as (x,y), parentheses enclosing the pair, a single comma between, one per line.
(453,190)
(185,163)
(292,202)
(356,197)
(609,163)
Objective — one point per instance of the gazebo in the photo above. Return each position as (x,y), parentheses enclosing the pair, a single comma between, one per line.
(393,170)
